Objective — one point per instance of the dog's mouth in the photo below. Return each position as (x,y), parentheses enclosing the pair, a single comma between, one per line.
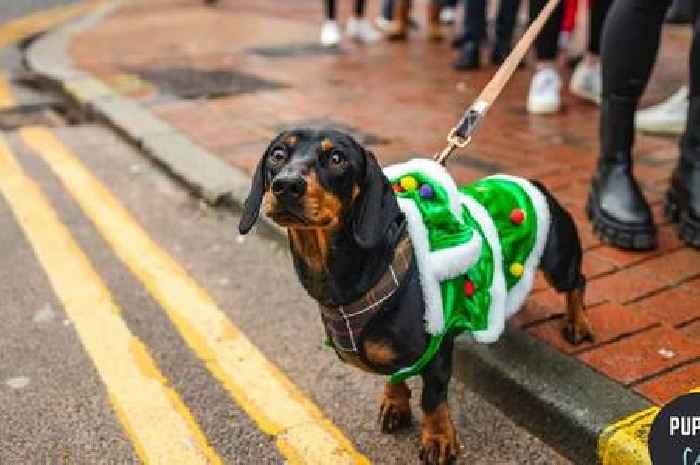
(288,218)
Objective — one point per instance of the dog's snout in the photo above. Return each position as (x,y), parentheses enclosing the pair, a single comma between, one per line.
(289,187)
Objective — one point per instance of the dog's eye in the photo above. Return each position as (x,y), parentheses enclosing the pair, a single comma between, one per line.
(278,155)
(337,158)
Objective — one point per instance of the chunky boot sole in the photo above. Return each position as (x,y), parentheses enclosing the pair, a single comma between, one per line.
(616,234)
(676,210)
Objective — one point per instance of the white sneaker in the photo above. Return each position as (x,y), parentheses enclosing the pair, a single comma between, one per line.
(330,34)
(667,117)
(382,23)
(586,82)
(361,30)
(544,92)
(448,15)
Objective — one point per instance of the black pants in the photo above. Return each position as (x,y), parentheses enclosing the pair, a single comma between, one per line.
(547,44)
(329,8)
(630,44)
(475,19)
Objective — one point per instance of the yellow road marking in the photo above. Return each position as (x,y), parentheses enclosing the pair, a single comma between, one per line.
(27,26)
(157,422)
(7,100)
(303,435)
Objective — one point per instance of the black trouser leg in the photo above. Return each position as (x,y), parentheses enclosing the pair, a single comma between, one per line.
(474,31)
(474,20)
(329,9)
(359,8)
(388,9)
(598,12)
(619,213)
(547,43)
(505,21)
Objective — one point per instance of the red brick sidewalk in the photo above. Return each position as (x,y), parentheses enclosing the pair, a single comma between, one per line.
(401,99)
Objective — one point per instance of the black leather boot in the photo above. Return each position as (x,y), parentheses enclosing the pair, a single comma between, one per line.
(468,57)
(683,196)
(616,207)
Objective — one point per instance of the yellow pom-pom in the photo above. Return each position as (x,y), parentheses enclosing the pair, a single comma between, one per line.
(516,269)
(409,183)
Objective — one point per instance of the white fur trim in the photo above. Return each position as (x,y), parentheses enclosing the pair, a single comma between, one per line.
(434,267)
(518,293)
(497,312)
(433,170)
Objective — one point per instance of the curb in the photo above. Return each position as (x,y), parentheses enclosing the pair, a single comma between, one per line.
(560,400)
(217,182)
(555,397)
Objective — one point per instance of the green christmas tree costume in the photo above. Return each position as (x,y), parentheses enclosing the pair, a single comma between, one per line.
(477,248)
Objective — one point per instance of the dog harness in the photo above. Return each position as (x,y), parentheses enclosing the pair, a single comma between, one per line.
(477,249)
(344,324)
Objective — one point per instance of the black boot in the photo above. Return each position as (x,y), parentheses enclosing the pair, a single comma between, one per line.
(681,12)
(616,207)
(683,197)
(468,57)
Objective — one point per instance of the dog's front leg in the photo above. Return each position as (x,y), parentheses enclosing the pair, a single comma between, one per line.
(439,444)
(395,409)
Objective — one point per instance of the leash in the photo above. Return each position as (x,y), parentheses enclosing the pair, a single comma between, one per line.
(461,135)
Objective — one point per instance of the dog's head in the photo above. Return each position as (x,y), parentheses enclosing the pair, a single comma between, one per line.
(322,179)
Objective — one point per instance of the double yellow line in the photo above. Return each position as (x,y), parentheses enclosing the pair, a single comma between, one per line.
(27,26)
(302,433)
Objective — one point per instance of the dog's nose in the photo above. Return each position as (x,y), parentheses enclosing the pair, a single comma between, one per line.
(289,187)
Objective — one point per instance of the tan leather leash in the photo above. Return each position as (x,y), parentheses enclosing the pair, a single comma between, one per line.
(461,134)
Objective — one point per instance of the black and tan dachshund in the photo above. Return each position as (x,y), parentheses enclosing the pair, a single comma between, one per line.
(345,229)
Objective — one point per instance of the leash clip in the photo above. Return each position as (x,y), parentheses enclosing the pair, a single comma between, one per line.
(456,140)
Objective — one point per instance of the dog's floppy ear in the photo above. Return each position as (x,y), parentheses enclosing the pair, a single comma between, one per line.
(375,209)
(251,207)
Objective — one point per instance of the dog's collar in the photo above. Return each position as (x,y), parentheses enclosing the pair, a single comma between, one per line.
(344,323)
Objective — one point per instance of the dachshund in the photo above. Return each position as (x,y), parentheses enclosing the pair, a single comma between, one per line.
(345,230)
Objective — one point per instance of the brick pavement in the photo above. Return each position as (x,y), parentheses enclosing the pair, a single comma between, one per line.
(401,98)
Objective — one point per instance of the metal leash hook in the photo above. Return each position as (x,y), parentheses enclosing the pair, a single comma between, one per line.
(461,135)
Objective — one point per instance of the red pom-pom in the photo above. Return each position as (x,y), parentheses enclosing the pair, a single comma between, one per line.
(397,187)
(517,216)
(468,288)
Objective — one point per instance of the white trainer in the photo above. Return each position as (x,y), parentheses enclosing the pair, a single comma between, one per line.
(382,23)
(448,15)
(330,34)
(545,88)
(361,30)
(586,82)
(667,117)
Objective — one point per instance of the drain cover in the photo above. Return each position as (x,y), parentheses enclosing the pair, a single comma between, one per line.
(363,137)
(296,50)
(189,83)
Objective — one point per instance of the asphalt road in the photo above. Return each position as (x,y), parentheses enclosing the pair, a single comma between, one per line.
(126,305)
(12,9)
(57,401)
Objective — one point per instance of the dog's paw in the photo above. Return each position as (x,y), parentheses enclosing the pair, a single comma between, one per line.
(578,333)
(438,449)
(439,444)
(394,416)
